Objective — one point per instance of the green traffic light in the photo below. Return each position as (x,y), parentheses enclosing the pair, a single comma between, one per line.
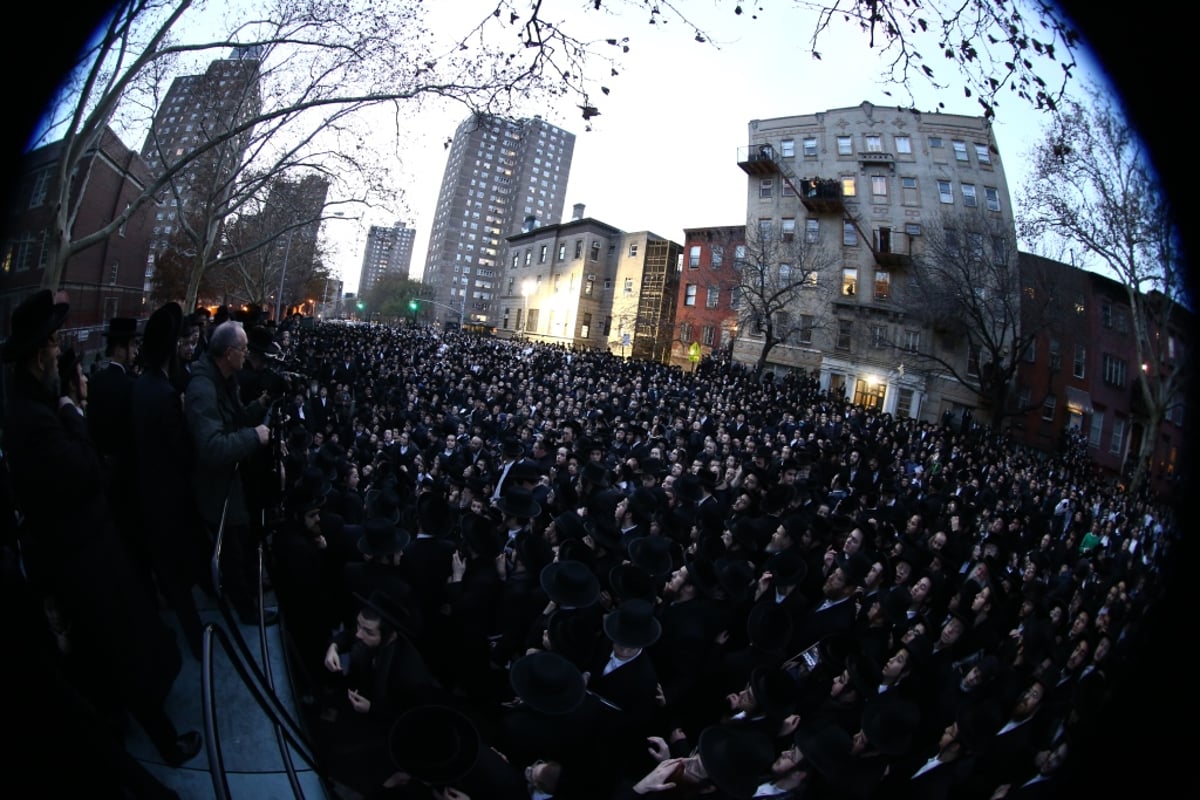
(360,306)
(412,304)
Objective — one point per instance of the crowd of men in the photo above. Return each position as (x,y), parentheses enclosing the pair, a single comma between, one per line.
(521,570)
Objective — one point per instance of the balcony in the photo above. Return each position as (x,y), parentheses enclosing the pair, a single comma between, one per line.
(758,160)
(892,248)
(873,159)
(822,195)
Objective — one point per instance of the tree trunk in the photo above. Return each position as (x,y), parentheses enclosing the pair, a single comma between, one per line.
(1145,455)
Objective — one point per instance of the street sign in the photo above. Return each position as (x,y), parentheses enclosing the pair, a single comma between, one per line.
(625,340)
(694,352)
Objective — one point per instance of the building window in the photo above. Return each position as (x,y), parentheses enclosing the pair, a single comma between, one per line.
(528,257)
(968,193)
(812,230)
(542,255)
(849,186)
(766,187)
(735,297)
(850,281)
(845,147)
(879,186)
(1048,408)
(878,336)
(694,257)
(41,181)
(1117,439)
(739,256)
(685,332)
(785,275)
(585,327)
(974,355)
(960,151)
(1079,365)
(689,295)
(806,329)
(562,252)
(874,143)
(945,192)
(904,399)
(633,248)
(579,248)
(1096,429)
(764,230)
(883,284)
(787,229)
(787,148)
(629,286)
(708,335)
(1106,314)
(810,147)
(849,234)
(992,196)
(1055,351)
(785,188)
(912,341)
(595,251)
(904,145)
(716,255)
(983,153)
(589,286)
(714,297)
(1115,371)
(935,142)
(844,334)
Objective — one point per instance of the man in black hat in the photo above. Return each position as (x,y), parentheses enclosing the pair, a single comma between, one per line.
(177,546)
(225,432)
(72,555)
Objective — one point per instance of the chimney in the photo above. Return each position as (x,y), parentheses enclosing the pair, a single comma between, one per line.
(577,211)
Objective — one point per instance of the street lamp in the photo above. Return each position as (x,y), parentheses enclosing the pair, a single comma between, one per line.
(526,290)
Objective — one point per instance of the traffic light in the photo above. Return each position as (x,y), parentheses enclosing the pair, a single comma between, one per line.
(360,305)
(412,305)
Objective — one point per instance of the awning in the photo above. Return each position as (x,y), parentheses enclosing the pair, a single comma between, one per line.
(1079,401)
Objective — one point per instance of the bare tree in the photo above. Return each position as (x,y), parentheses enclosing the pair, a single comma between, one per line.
(783,286)
(967,285)
(1093,187)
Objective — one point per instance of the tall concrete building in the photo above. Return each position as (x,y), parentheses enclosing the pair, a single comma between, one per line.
(197,111)
(502,176)
(874,189)
(388,250)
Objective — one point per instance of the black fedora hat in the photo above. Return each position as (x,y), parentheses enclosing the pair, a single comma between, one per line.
(632,624)
(735,759)
(595,473)
(629,582)
(547,682)
(392,612)
(577,550)
(787,568)
(384,504)
(737,577)
(479,535)
(854,567)
(895,602)
(769,627)
(889,722)
(162,333)
(301,500)
(518,502)
(525,472)
(260,341)
(434,744)
(570,583)
(775,691)
(653,554)
(121,328)
(827,749)
(512,448)
(33,321)
(382,538)
(569,525)
(434,514)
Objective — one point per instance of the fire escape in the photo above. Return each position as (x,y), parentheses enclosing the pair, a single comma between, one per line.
(824,196)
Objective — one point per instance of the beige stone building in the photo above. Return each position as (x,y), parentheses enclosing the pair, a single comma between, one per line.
(874,186)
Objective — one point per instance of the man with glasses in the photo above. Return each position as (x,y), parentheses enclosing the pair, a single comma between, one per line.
(225,433)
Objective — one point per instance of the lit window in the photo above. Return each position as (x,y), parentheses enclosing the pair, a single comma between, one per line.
(849,187)
(883,284)
(850,281)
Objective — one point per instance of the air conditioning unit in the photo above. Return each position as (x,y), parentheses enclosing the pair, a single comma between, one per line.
(591,276)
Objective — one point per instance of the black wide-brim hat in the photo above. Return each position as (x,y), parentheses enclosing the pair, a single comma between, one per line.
(162,331)
(736,759)
(889,722)
(434,744)
(787,568)
(547,682)
(518,502)
(569,525)
(260,341)
(382,538)
(121,328)
(570,583)
(769,627)
(827,750)
(775,691)
(595,473)
(32,323)
(632,624)
(653,554)
(631,582)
